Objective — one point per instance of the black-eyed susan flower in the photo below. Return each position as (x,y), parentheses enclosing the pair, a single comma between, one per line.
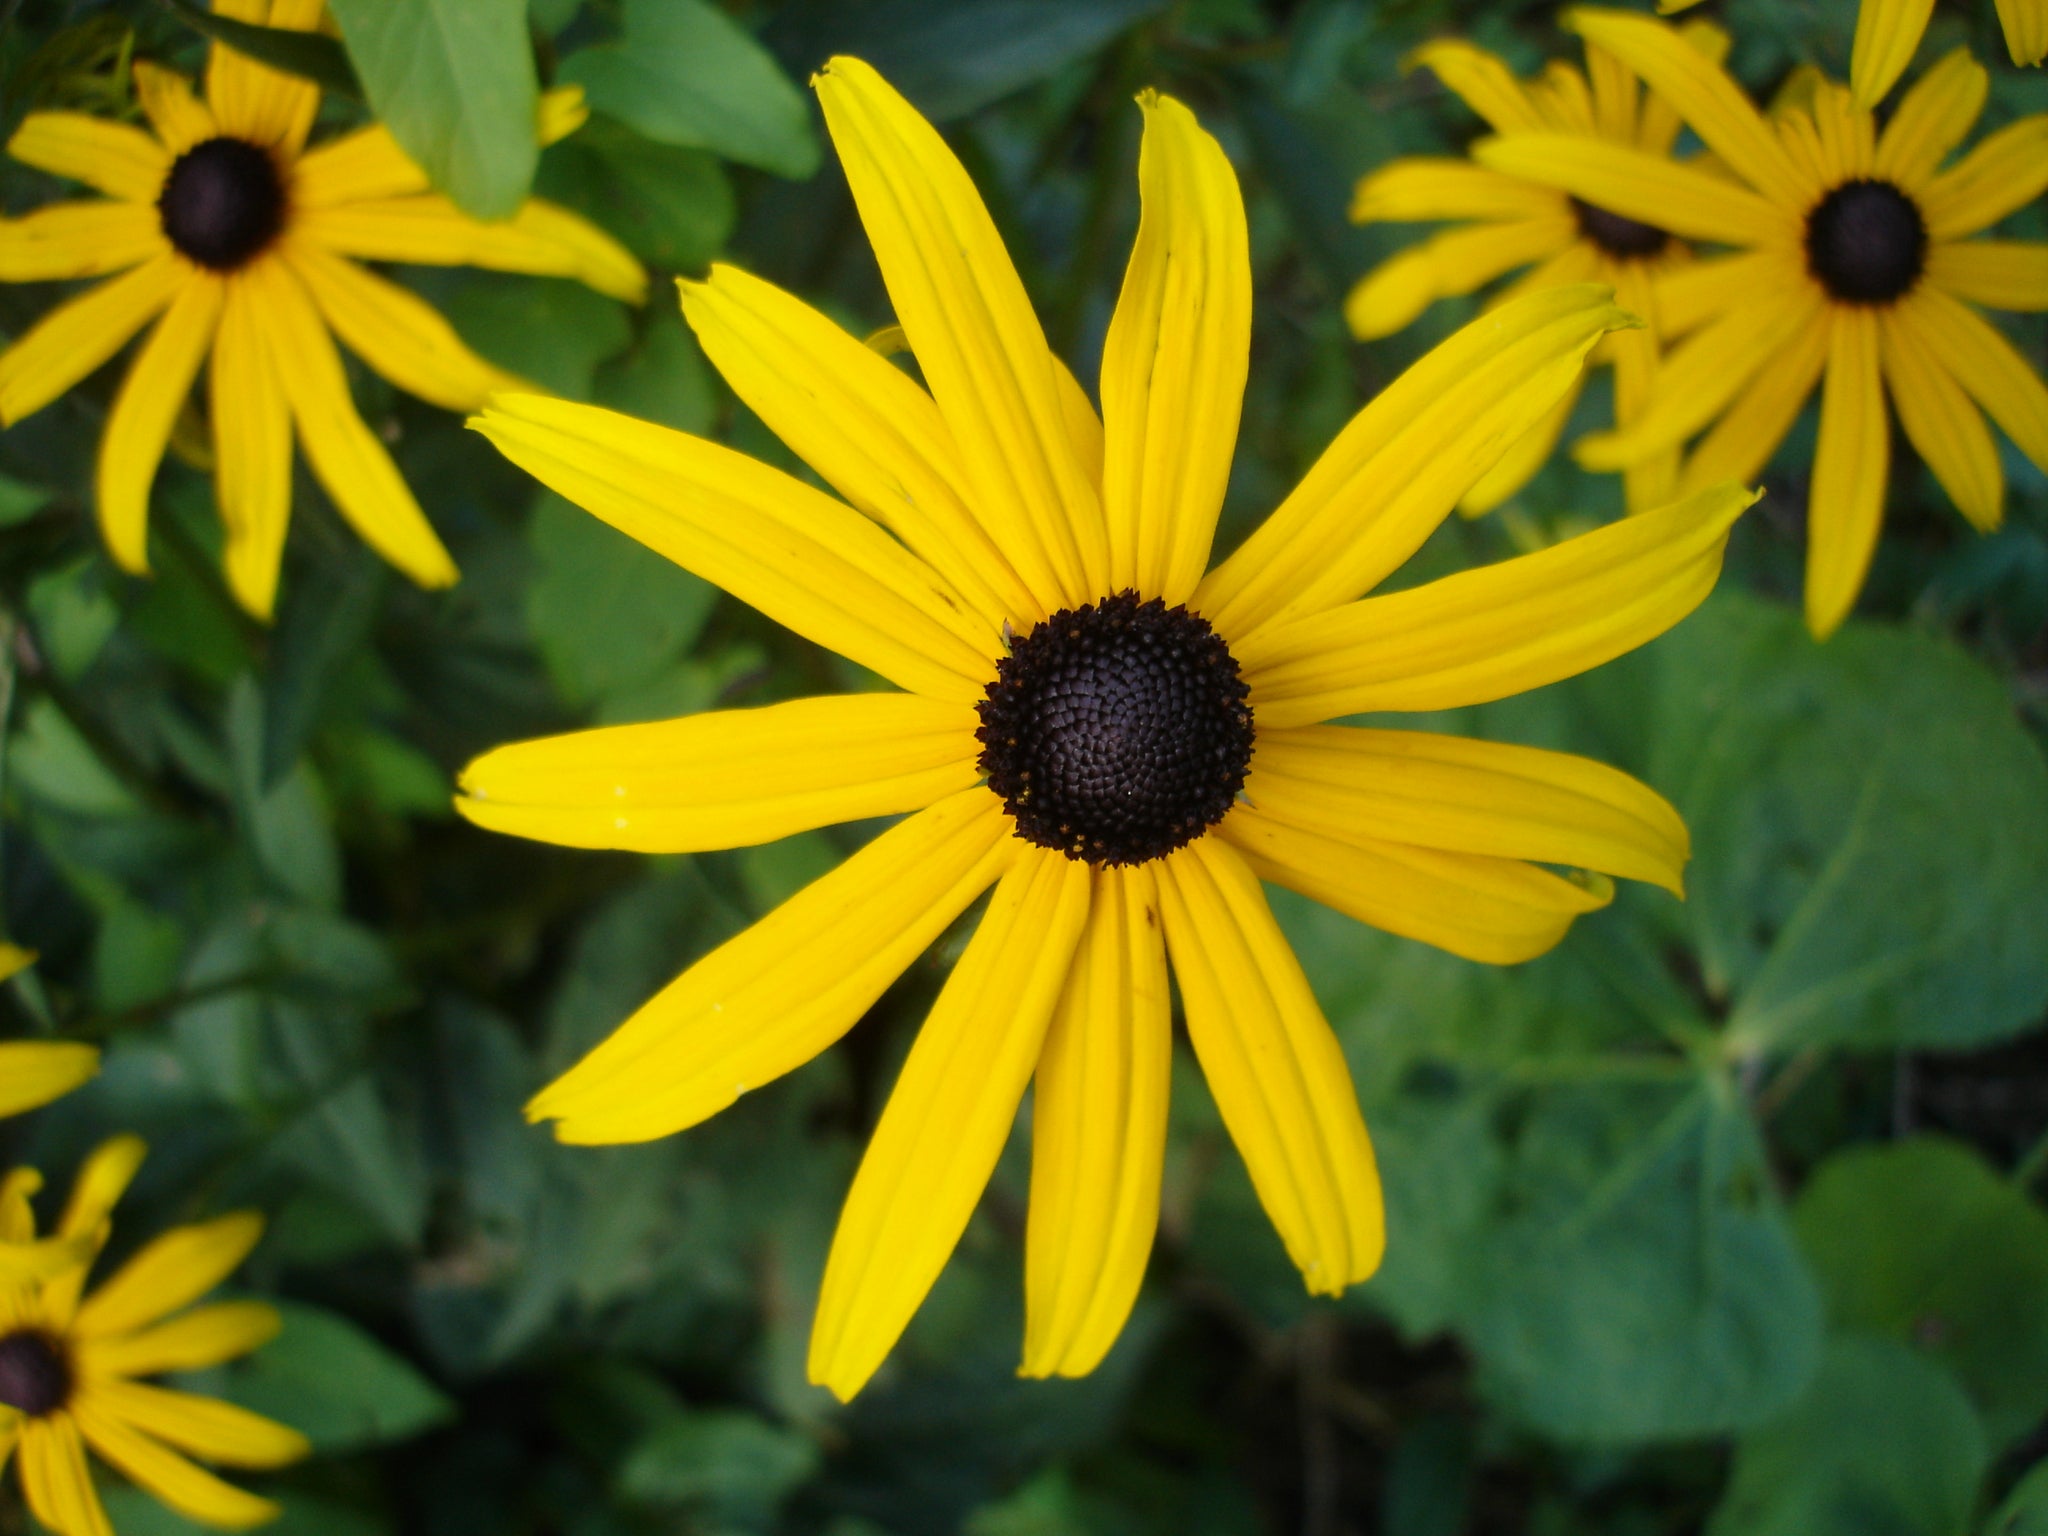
(69,1362)
(1505,223)
(1855,272)
(1121,745)
(1888,33)
(243,246)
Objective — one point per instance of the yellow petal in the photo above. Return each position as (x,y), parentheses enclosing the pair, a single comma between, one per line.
(252,447)
(1942,423)
(1448,264)
(1741,443)
(1688,296)
(55,1479)
(1173,364)
(100,1183)
(1465,796)
(364,166)
(253,101)
(1636,358)
(1098,1132)
(1932,118)
(190,1490)
(1273,1066)
(1887,34)
(1659,124)
(67,240)
(1394,473)
(140,423)
(1998,378)
(2026,29)
(2000,274)
(1495,911)
(727,779)
(1482,82)
(1847,133)
(115,158)
(1704,94)
(1521,462)
(14,960)
(77,336)
(970,323)
(2006,171)
(1642,186)
(1499,630)
(767,1001)
(179,118)
(947,1118)
(540,238)
(204,1426)
(33,1072)
(169,1272)
(1084,427)
(1699,377)
(865,426)
(203,1337)
(1850,466)
(773,542)
(396,332)
(17,1216)
(346,456)
(1425,187)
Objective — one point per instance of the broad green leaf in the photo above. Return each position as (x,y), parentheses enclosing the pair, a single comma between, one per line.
(670,206)
(735,1466)
(309,54)
(1924,1243)
(665,378)
(135,1513)
(323,621)
(336,1385)
(2025,1510)
(53,762)
(1884,1444)
(607,614)
(548,330)
(20,501)
(686,73)
(74,616)
(1870,832)
(284,824)
(454,82)
(1637,1281)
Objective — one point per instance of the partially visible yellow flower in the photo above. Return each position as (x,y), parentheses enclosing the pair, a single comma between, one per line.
(1121,740)
(1507,222)
(1854,267)
(33,1072)
(68,1367)
(1888,34)
(223,222)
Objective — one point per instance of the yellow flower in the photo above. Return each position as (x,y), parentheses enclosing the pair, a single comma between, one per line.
(1888,33)
(68,1367)
(1121,745)
(240,237)
(1512,222)
(1853,266)
(33,1072)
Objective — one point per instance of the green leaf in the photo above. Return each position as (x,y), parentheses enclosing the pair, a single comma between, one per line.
(324,620)
(607,613)
(1870,826)
(454,82)
(685,73)
(1637,1281)
(1924,1243)
(1884,1444)
(49,759)
(309,55)
(20,501)
(672,207)
(735,1465)
(664,379)
(284,824)
(336,1385)
(134,1513)
(549,330)
(2025,1510)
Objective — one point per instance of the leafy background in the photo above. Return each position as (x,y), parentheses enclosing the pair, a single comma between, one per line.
(1723,1217)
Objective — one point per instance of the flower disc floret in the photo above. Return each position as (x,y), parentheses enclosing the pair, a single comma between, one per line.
(1866,242)
(1117,731)
(1623,238)
(223,203)
(35,1377)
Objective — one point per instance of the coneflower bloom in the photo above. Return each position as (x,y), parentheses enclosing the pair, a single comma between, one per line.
(1120,745)
(1506,223)
(246,243)
(68,1366)
(1855,267)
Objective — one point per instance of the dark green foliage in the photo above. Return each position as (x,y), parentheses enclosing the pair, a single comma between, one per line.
(1721,1217)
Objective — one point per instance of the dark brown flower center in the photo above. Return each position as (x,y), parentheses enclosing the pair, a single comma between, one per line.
(35,1376)
(1617,236)
(222,203)
(1866,242)
(1117,731)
